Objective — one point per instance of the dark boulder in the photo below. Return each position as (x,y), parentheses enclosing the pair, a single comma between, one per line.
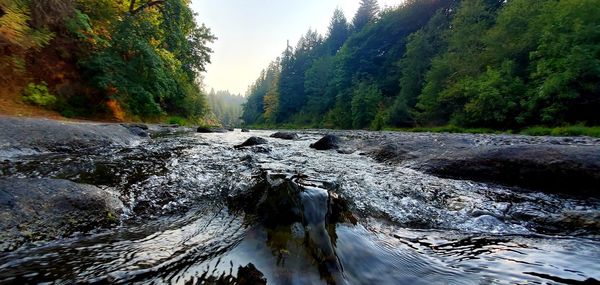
(230,129)
(327,142)
(207,130)
(245,130)
(34,209)
(549,168)
(252,141)
(285,135)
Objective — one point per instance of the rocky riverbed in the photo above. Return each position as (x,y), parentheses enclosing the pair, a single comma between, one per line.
(133,203)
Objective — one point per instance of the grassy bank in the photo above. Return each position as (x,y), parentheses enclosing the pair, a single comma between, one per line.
(563,131)
(576,130)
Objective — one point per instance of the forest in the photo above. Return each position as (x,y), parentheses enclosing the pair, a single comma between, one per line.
(491,64)
(123,60)
(225,107)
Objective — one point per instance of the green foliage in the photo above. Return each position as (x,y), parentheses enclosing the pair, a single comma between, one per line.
(471,63)
(144,59)
(367,12)
(176,120)
(38,94)
(422,46)
(255,98)
(18,37)
(365,101)
(566,65)
(226,107)
(577,130)
(152,62)
(449,129)
(81,26)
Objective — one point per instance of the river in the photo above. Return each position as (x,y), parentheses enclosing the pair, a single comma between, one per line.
(191,218)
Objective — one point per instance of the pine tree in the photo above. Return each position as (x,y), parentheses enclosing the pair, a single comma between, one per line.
(338,32)
(366,13)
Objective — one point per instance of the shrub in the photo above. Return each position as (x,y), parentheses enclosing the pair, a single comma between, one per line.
(175,120)
(38,94)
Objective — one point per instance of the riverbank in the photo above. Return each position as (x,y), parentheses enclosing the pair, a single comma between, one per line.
(564,131)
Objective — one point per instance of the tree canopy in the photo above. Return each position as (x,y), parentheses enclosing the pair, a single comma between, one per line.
(473,63)
(136,59)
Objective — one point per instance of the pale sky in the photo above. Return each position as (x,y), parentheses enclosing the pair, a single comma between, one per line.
(254,32)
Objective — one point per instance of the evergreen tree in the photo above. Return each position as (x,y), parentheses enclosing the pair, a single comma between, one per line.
(338,32)
(367,12)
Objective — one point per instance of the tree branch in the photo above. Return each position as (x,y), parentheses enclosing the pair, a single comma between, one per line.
(144,6)
(131,6)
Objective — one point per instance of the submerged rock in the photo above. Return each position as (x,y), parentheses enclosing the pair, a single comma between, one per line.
(34,209)
(252,141)
(245,130)
(285,135)
(327,142)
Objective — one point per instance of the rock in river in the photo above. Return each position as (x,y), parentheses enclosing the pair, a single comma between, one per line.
(551,168)
(210,130)
(285,135)
(40,209)
(252,141)
(24,136)
(327,142)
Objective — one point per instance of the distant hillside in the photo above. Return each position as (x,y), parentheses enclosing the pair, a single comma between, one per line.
(226,107)
(470,63)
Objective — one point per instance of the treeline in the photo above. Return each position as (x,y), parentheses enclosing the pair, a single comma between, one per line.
(473,63)
(226,107)
(130,59)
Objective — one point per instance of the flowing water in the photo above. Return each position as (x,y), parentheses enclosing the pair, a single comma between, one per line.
(192,218)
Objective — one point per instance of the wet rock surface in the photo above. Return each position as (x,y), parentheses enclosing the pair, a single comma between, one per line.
(550,168)
(211,130)
(42,209)
(22,136)
(559,165)
(252,141)
(196,210)
(326,143)
(285,135)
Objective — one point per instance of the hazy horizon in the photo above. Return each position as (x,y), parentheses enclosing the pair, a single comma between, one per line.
(252,33)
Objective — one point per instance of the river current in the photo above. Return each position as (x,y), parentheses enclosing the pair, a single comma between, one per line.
(401,226)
